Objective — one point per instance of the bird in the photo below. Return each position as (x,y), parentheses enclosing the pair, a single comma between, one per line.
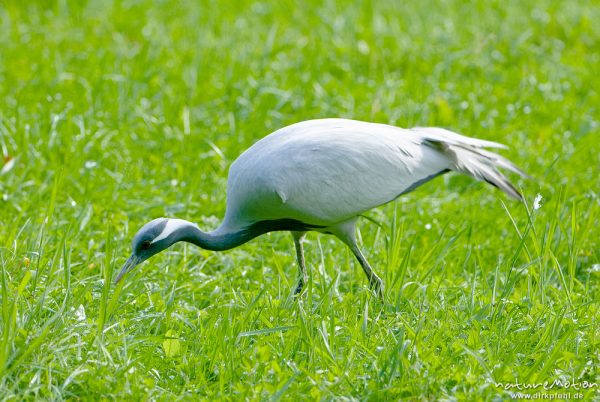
(321,175)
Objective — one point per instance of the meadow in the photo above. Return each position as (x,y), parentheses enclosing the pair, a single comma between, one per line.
(113,113)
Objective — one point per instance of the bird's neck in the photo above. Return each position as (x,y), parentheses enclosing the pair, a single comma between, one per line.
(225,237)
(220,239)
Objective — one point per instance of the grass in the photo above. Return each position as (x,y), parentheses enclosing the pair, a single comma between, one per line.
(114,113)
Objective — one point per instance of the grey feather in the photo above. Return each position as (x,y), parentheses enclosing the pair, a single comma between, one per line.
(479,163)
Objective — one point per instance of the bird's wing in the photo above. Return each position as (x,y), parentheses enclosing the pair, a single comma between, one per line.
(326,171)
(442,135)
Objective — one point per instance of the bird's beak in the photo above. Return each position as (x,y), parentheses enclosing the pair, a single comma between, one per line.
(130,264)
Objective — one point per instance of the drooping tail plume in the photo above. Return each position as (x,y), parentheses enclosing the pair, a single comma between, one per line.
(468,156)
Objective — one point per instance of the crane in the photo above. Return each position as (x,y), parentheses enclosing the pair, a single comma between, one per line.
(321,175)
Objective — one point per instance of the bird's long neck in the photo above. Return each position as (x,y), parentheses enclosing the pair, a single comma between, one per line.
(218,240)
(225,238)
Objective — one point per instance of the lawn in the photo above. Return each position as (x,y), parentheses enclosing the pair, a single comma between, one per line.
(113,113)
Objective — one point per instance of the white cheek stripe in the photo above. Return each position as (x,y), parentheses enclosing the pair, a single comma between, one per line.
(171,226)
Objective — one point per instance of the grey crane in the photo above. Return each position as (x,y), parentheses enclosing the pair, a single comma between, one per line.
(321,175)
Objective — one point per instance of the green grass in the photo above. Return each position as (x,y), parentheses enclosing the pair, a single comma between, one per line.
(114,113)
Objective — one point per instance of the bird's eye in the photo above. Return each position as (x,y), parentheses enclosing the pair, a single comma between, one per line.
(145,245)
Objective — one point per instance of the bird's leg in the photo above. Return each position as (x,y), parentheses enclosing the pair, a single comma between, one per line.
(346,232)
(302,279)
(374,281)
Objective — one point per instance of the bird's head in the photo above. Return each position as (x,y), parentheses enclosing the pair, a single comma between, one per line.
(152,238)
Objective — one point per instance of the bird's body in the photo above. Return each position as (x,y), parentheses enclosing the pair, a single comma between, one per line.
(322,174)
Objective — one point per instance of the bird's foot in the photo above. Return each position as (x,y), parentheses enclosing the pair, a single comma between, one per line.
(300,286)
(376,285)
